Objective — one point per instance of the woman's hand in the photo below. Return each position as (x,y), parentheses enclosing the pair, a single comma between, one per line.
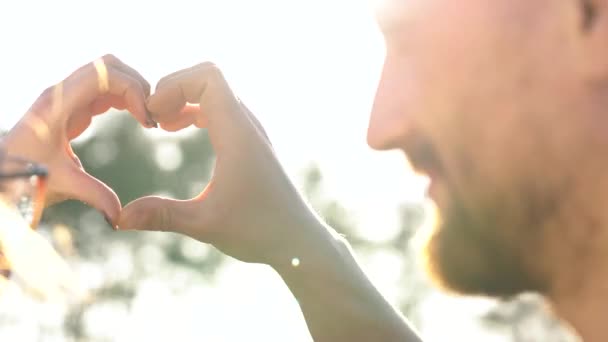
(62,113)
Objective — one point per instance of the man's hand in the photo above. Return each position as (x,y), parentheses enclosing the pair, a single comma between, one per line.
(63,112)
(250,209)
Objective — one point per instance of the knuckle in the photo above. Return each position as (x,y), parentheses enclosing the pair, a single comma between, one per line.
(164,218)
(45,99)
(164,80)
(133,87)
(209,68)
(85,72)
(47,93)
(159,84)
(147,88)
(206,65)
(215,72)
(110,58)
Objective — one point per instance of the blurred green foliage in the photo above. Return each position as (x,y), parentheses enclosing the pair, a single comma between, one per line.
(135,164)
(131,163)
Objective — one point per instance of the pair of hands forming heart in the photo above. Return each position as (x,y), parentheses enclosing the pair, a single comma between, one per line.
(250,209)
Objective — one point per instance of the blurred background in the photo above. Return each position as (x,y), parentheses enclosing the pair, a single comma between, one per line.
(308,69)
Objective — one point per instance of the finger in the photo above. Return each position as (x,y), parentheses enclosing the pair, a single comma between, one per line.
(81,119)
(188,116)
(77,124)
(195,111)
(129,94)
(105,102)
(188,86)
(178,73)
(175,91)
(161,214)
(120,65)
(78,185)
(81,89)
(192,109)
(205,85)
(72,155)
(178,121)
(255,121)
(164,80)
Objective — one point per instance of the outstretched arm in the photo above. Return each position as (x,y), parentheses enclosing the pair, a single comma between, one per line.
(251,211)
(337,299)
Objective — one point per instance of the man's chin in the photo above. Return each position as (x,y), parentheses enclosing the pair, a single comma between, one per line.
(466,258)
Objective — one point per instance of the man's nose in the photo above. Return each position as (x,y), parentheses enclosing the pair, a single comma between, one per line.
(389,122)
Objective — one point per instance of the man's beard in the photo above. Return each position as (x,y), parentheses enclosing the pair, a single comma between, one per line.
(488,249)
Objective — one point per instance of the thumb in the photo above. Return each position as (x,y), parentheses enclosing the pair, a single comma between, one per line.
(79,185)
(160,214)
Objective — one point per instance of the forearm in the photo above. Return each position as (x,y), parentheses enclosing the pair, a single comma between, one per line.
(337,299)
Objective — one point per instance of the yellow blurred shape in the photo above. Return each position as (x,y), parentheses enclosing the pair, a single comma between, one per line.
(33,261)
(40,128)
(3,284)
(64,242)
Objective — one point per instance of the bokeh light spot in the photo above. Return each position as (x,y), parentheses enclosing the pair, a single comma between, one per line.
(168,156)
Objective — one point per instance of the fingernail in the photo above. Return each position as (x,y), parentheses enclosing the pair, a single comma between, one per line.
(149,121)
(110,222)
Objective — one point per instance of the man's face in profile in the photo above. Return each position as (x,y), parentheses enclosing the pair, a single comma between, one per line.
(497,102)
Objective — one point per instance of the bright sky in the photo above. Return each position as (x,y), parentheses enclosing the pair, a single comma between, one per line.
(308,69)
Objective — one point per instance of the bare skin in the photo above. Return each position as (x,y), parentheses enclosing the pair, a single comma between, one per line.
(251,211)
(501,103)
(62,113)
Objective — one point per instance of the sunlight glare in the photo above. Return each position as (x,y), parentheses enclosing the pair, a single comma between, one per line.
(3,284)
(168,156)
(389,12)
(33,261)
(308,70)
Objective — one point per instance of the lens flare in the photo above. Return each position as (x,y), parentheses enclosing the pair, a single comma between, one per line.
(33,262)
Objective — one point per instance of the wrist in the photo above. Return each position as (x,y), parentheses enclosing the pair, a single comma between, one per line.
(339,302)
(309,246)
(321,258)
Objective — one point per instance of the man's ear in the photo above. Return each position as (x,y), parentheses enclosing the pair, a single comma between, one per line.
(593,34)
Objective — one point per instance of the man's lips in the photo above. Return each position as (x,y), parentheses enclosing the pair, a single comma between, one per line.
(423,158)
